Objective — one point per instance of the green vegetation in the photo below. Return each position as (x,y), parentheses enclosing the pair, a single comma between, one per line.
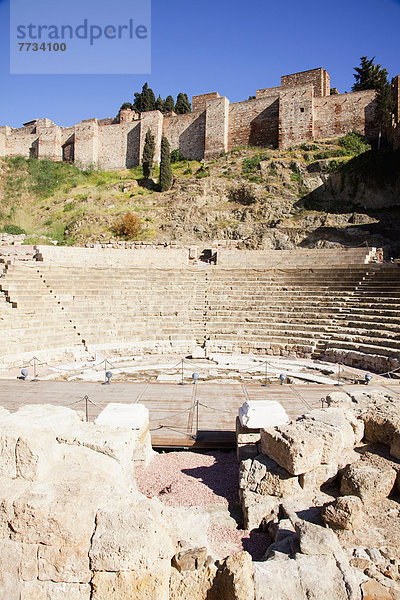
(13,229)
(169,104)
(203,171)
(146,100)
(252,164)
(165,166)
(176,156)
(354,144)
(148,154)
(369,76)
(182,105)
(59,202)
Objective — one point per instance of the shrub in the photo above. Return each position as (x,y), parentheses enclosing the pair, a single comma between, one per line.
(243,194)
(202,172)
(128,226)
(13,229)
(250,165)
(296,177)
(176,156)
(354,143)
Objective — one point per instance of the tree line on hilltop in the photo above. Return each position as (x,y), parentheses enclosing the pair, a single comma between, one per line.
(146,100)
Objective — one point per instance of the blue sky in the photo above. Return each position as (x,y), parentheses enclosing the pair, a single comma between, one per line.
(215,45)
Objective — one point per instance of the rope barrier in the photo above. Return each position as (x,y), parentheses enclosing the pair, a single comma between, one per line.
(229,412)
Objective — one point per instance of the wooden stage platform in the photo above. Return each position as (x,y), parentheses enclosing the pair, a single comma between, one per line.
(200,416)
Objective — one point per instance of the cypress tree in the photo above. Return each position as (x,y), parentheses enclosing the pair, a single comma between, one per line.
(145,100)
(160,104)
(182,105)
(169,104)
(148,154)
(165,166)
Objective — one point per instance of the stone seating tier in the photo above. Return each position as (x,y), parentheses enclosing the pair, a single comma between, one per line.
(320,311)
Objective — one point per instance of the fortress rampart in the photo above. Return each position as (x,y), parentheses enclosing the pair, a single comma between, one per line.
(300,110)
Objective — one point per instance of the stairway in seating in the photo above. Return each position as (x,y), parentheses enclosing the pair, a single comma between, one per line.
(36,321)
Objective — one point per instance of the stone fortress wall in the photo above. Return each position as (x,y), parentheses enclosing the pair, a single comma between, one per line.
(300,110)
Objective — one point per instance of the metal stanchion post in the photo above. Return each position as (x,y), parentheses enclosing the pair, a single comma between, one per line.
(182,381)
(265,384)
(338,375)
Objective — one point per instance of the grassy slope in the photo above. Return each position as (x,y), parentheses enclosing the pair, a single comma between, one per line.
(243,195)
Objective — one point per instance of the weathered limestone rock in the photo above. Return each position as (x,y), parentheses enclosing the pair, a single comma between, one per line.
(333,442)
(339,399)
(306,577)
(395,444)
(318,476)
(258,509)
(351,429)
(130,585)
(47,590)
(190,560)
(132,537)
(373,590)
(235,579)
(29,562)
(68,564)
(314,539)
(344,513)
(134,417)
(368,482)
(118,444)
(193,585)
(380,414)
(28,446)
(264,476)
(35,454)
(293,448)
(186,526)
(10,561)
(10,490)
(45,417)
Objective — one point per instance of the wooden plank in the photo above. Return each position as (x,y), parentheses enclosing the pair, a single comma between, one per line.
(174,421)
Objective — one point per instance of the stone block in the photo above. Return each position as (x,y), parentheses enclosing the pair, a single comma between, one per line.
(344,513)
(245,451)
(48,590)
(312,480)
(69,564)
(265,477)
(258,510)
(10,561)
(368,482)
(246,435)
(130,537)
(293,448)
(257,414)
(149,584)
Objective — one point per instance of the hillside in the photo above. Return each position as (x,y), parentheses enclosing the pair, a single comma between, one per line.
(328,192)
